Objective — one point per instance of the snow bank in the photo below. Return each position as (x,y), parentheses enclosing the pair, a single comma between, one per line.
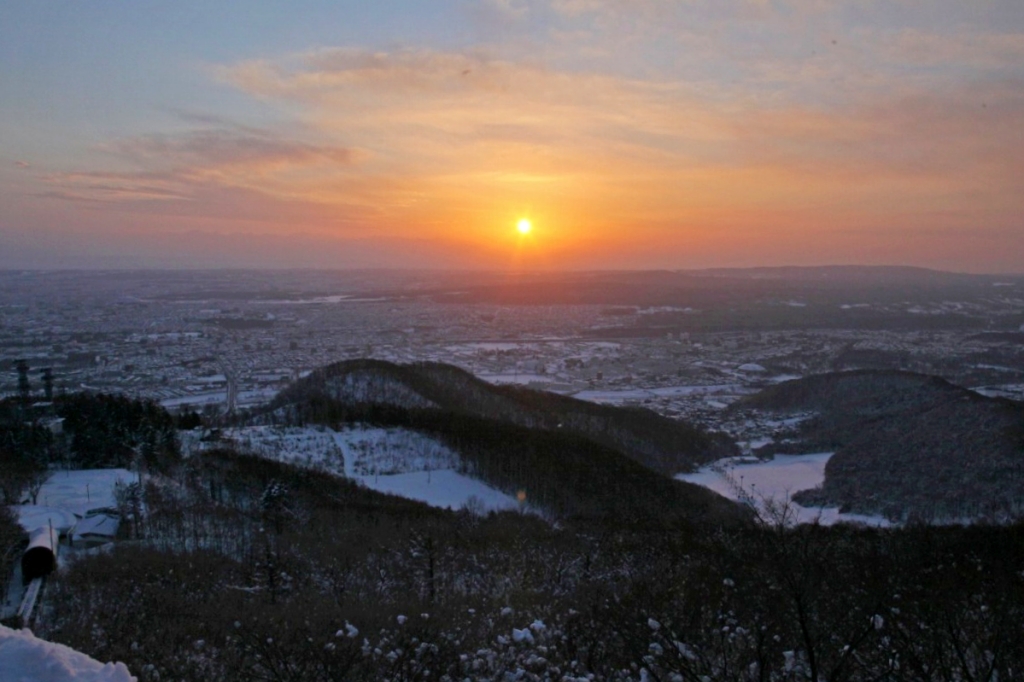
(26,658)
(32,516)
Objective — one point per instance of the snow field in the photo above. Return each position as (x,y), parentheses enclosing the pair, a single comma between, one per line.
(81,490)
(768,487)
(390,460)
(443,488)
(68,495)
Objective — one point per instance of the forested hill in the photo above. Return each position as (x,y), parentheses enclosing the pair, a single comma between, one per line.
(906,444)
(568,459)
(97,430)
(661,444)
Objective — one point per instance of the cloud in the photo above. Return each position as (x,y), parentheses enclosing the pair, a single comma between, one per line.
(711,120)
(228,149)
(975,51)
(22,164)
(177,166)
(423,138)
(102,187)
(951,132)
(468,112)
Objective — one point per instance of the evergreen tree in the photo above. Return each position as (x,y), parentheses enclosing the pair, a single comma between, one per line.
(24,390)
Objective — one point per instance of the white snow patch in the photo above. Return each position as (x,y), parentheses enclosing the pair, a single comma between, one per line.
(26,658)
(69,495)
(523,635)
(390,460)
(97,526)
(443,488)
(205,398)
(31,516)
(1011,391)
(772,483)
(82,490)
(514,378)
(751,367)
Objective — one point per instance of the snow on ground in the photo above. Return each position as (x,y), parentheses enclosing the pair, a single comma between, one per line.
(391,460)
(32,516)
(664,392)
(81,490)
(26,658)
(376,451)
(514,378)
(771,483)
(68,495)
(442,488)
(751,367)
(1011,391)
(100,526)
(197,399)
(785,377)
(487,346)
(256,396)
(410,464)
(311,447)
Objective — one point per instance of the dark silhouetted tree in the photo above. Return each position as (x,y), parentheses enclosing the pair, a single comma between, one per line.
(24,389)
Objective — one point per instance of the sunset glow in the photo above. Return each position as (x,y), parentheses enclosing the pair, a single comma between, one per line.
(644,135)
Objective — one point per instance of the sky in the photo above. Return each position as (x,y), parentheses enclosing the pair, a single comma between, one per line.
(631,134)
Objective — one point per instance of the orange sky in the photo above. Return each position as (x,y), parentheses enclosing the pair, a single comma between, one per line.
(644,134)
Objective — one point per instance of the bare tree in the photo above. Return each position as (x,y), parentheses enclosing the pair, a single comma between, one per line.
(34,482)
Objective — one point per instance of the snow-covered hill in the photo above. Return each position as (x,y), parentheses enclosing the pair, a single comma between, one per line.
(768,486)
(391,460)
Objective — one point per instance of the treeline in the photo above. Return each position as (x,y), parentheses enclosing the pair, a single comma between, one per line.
(253,570)
(82,430)
(26,450)
(11,541)
(661,444)
(113,430)
(910,446)
(561,473)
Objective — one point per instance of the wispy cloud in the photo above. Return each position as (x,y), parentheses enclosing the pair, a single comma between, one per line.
(690,123)
(432,117)
(175,166)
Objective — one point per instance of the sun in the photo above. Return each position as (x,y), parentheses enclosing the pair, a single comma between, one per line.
(524,226)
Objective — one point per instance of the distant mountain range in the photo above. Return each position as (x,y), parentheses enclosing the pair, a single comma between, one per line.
(906,445)
(571,457)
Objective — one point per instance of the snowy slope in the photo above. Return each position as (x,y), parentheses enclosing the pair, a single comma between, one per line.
(26,658)
(443,488)
(769,484)
(390,460)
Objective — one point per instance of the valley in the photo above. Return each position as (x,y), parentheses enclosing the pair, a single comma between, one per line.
(361,478)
